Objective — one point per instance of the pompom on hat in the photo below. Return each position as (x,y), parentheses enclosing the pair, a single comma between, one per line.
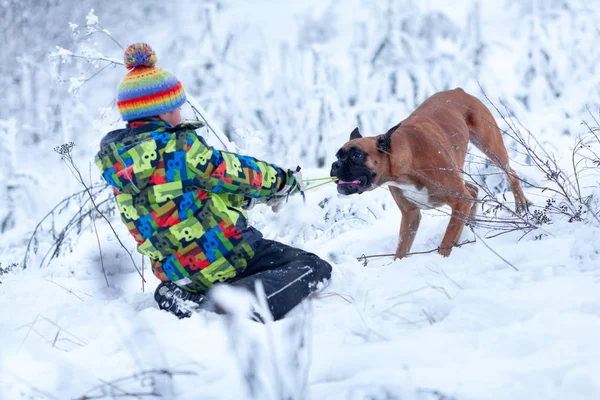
(147,91)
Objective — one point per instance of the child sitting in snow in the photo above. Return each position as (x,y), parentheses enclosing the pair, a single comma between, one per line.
(182,200)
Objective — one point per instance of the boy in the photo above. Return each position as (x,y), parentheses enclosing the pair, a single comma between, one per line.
(181,200)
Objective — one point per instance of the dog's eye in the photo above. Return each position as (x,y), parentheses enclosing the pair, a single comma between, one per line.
(356,156)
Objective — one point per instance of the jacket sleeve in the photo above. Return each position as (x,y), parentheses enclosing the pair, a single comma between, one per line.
(223,172)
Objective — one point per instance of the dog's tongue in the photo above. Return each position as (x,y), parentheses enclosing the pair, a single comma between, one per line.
(355,182)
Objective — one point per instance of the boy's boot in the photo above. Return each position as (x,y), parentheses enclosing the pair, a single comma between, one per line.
(172,298)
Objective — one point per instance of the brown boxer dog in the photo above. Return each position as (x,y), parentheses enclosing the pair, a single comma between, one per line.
(421,160)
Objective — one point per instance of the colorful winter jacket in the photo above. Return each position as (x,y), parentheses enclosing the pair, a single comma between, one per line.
(181,199)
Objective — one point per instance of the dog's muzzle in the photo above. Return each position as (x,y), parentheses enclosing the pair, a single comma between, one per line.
(352,179)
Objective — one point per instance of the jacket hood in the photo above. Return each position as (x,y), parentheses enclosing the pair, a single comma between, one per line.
(127,156)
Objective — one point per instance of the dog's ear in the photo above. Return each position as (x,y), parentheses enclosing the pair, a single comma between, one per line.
(383,143)
(355,134)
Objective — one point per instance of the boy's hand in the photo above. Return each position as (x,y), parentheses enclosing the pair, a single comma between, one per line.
(249,203)
(276,202)
(293,183)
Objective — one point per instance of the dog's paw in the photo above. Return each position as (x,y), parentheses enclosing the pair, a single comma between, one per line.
(445,251)
(523,208)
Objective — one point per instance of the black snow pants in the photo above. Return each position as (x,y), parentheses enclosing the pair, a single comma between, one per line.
(288,275)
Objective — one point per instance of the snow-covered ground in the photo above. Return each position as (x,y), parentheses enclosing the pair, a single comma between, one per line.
(468,326)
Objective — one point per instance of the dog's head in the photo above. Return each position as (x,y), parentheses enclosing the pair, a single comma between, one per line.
(359,166)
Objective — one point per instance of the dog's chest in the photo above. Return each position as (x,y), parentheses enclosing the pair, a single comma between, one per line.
(419,197)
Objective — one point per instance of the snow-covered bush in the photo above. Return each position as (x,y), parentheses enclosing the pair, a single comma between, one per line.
(18,185)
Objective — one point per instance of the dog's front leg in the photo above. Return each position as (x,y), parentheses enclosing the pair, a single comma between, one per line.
(411,219)
(408,231)
(460,215)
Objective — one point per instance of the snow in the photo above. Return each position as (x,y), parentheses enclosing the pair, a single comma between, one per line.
(468,325)
(91,19)
(60,52)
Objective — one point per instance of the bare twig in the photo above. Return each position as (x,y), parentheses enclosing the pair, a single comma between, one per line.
(68,290)
(39,393)
(112,389)
(364,258)
(492,250)
(98,239)
(331,294)
(97,58)
(28,332)
(199,114)
(107,33)
(95,189)
(74,223)
(66,155)
(40,318)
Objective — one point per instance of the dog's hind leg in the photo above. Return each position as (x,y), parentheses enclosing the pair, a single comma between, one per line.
(462,208)
(486,136)
(409,225)
(473,191)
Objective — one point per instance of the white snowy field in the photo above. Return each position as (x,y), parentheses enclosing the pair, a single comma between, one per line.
(288,81)
(468,326)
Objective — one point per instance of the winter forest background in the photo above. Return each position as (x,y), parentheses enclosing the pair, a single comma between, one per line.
(287,82)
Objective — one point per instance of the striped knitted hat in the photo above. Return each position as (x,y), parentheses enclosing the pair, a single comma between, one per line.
(147,91)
